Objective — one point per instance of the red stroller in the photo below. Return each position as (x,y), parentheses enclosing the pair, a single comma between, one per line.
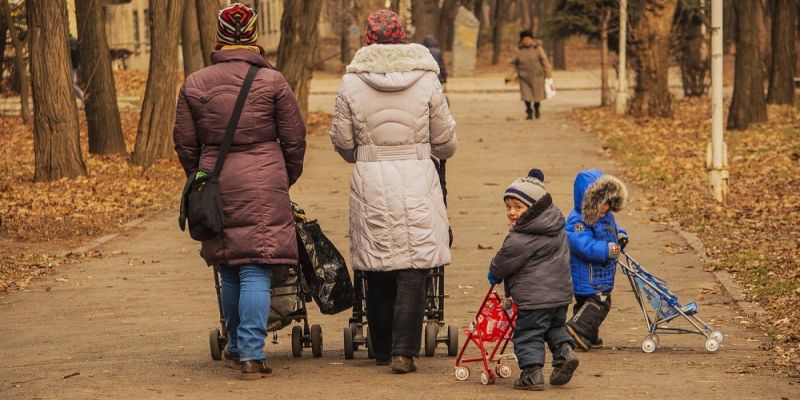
(494,323)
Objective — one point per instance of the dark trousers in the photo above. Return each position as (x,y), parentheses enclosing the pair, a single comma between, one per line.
(533,329)
(395,309)
(588,314)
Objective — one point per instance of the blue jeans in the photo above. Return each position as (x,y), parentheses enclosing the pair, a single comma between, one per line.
(245,302)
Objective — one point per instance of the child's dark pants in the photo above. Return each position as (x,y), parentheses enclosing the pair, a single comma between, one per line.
(533,329)
(395,308)
(588,314)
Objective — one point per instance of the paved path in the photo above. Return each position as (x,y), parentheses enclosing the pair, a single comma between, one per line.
(134,324)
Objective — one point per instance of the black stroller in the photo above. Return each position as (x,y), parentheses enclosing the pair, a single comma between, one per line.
(288,305)
(355,336)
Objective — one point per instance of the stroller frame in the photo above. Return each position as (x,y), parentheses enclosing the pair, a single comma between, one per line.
(655,292)
(302,337)
(497,354)
(354,335)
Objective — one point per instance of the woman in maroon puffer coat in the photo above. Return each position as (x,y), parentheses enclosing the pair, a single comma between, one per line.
(265,159)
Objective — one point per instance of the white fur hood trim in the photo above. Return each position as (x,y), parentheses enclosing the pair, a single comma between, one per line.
(386,58)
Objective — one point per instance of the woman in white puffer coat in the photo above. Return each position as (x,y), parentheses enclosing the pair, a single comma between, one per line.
(390,118)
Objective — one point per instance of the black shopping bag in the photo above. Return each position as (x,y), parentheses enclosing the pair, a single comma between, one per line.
(324,268)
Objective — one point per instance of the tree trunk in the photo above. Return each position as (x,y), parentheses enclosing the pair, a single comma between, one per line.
(22,72)
(748,105)
(425,15)
(559,53)
(395,6)
(497,31)
(447,18)
(650,55)
(157,118)
(3,28)
(190,40)
(693,54)
(781,74)
(207,23)
(56,135)
(299,37)
(102,112)
(483,23)
(605,98)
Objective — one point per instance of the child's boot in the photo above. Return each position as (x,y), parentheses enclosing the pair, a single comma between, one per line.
(568,364)
(531,378)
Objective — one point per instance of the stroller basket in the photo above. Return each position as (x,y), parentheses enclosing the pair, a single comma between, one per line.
(653,292)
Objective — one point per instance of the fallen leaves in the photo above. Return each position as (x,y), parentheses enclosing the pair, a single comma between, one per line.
(755,235)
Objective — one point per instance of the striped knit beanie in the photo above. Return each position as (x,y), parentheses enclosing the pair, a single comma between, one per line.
(384,27)
(236,25)
(529,189)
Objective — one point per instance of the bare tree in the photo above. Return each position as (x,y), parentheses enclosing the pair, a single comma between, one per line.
(447,18)
(102,112)
(781,73)
(299,37)
(497,30)
(3,29)
(650,55)
(748,104)
(207,24)
(605,94)
(154,136)
(19,58)
(395,6)
(190,40)
(693,47)
(56,140)
(425,16)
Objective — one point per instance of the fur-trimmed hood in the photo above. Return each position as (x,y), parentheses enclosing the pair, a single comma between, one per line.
(592,189)
(392,67)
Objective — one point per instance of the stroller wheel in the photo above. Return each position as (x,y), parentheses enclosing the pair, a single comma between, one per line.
(297,341)
(348,344)
(503,371)
(462,373)
(215,342)
(656,339)
(649,345)
(487,378)
(452,340)
(712,345)
(316,340)
(717,335)
(358,333)
(431,331)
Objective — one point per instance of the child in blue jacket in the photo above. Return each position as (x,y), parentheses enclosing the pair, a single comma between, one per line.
(595,242)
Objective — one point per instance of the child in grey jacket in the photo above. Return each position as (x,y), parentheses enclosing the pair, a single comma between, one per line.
(534,262)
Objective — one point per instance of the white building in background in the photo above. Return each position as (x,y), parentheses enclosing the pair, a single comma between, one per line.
(127,25)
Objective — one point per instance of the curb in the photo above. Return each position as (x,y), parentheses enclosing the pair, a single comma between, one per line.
(725,278)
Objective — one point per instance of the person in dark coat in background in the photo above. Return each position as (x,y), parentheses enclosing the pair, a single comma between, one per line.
(534,262)
(265,159)
(436,52)
(75,62)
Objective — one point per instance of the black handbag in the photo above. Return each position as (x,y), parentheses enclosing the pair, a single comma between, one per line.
(200,202)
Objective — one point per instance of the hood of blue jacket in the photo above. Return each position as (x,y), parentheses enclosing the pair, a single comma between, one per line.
(583,180)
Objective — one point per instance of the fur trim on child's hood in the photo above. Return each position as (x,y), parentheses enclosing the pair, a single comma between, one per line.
(592,189)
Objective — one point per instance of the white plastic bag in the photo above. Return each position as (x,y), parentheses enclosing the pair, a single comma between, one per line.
(549,88)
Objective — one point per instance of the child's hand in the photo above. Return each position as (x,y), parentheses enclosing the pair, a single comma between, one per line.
(623,241)
(613,250)
(492,279)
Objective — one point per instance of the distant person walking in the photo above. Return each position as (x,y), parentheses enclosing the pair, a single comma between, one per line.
(390,117)
(265,158)
(436,52)
(75,60)
(532,67)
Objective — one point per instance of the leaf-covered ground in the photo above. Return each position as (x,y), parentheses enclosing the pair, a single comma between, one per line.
(755,235)
(41,221)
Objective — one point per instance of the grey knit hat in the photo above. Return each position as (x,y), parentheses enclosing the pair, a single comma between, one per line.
(528,189)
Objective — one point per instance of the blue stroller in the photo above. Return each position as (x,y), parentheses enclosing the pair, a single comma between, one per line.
(666,307)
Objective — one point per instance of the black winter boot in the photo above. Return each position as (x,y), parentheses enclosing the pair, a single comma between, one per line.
(530,378)
(536,110)
(569,363)
(529,114)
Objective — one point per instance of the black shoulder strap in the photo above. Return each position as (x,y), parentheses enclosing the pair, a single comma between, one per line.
(234,121)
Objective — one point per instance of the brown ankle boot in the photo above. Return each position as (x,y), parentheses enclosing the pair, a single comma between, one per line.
(255,369)
(403,365)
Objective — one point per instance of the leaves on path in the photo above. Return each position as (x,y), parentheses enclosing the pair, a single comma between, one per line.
(756,235)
